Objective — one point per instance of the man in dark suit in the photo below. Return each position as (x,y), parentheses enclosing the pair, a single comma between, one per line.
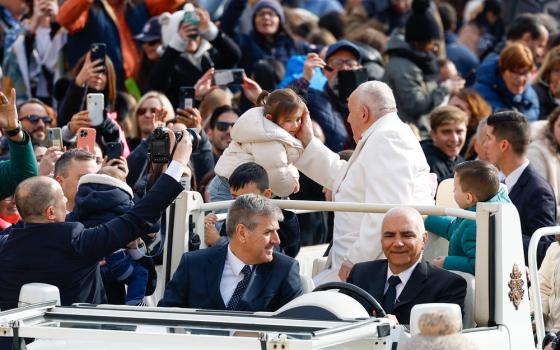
(506,145)
(403,280)
(46,249)
(245,274)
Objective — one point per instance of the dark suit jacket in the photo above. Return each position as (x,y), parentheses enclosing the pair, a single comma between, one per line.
(196,283)
(534,199)
(427,284)
(66,255)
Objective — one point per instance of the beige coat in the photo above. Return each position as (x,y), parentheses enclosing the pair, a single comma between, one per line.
(549,277)
(547,164)
(257,139)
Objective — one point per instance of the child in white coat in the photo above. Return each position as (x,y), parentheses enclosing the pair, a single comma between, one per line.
(265,135)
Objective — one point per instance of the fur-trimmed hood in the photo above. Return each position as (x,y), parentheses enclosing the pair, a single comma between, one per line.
(99,199)
(252,126)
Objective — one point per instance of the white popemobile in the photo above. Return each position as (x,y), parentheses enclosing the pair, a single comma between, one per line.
(497,312)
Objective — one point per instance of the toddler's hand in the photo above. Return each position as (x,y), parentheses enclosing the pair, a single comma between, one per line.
(296,187)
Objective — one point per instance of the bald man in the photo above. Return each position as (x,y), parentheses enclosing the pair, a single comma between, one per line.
(403,280)
(65,254)
(387,166)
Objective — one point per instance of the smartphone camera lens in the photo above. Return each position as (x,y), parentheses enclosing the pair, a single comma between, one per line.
(83,133)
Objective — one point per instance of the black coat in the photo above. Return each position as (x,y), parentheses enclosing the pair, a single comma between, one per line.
(66,255)
(196,283)
(439,162)
(427,284)
(546,99)
(534,199)
(173,71)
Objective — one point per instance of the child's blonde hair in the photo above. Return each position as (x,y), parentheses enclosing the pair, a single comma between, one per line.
(280,103)
(113,172)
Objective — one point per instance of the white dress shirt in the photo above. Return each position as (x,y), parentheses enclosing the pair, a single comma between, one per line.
(404,276)
(231,275)
(512,178)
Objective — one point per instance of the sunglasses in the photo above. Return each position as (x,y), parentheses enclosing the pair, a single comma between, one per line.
(224,126)
(34,119)
(142,111)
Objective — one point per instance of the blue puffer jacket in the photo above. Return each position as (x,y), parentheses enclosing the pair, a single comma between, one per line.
(492,87)
(101,198)
(461,234)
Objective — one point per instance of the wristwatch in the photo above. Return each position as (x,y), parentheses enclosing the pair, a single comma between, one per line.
(14,132)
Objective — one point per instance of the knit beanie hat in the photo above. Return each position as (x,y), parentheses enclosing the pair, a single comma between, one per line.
(273,5)
(421,25)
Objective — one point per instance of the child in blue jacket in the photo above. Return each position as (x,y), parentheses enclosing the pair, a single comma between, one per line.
(475,181)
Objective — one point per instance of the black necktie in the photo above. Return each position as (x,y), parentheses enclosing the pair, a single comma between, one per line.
(391,294)
(241,286)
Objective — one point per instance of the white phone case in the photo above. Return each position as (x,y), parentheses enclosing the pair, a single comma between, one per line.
(95,106)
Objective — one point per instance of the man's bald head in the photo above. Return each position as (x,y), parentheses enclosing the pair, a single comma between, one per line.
(407,214)
(33,197)
(403,238)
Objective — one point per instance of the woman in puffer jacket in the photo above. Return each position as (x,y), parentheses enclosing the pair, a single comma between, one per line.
(265,135)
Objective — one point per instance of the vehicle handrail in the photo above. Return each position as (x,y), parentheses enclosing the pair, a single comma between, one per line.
(534,275)
(350,207)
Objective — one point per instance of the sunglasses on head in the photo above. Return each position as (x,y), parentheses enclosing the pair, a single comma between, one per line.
(223,126)
(33,118)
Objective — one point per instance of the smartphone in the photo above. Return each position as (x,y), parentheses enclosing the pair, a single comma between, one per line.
(186,97)
(190,17)
(85,139)
(95,106)
(54,138)
(98,51)
(229,77)
(113,150)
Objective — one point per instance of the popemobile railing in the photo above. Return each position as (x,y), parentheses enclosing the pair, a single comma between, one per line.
(534,278)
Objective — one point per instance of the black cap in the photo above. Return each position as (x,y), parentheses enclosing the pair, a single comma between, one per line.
(343,45)
(150,32)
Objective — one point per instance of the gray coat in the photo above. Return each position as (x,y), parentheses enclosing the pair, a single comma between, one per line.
(414,93)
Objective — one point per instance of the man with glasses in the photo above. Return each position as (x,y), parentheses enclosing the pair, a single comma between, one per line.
(219,129)
(326,106)
(35,120)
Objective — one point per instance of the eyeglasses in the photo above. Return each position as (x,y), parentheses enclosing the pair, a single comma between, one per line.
(338,63)
(34,119)
(224,126)
(266,13)
(142,111)
(520,74)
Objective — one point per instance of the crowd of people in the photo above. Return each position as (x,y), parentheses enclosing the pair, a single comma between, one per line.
(367,101)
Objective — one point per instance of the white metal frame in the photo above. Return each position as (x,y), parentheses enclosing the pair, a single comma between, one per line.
(534,273)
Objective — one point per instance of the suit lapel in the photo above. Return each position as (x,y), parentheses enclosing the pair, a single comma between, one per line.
(414,285)
(379,279)
(520,184)
(213,272)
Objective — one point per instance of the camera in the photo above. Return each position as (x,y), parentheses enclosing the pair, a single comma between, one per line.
(553,339)
(158,144)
